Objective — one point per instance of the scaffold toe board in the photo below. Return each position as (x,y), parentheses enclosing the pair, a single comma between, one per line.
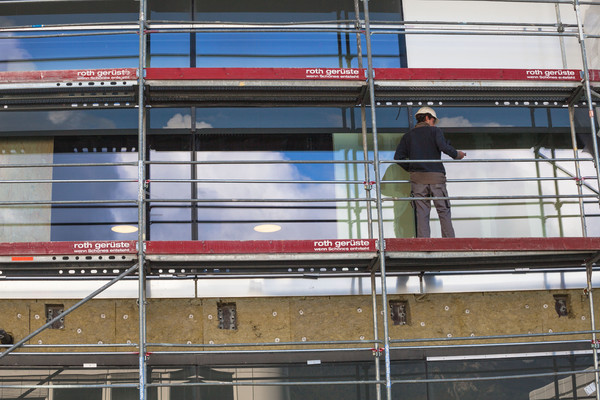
(258,86)
(341,255)
(271,255)
(97,88)
(430,254)
(68,259)
(538,87)
(73,89)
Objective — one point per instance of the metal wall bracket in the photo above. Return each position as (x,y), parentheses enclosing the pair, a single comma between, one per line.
(52,310)
(227,316)
(399,312)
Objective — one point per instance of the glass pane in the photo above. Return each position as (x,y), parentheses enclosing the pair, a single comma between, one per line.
(82,122)
(172,10)
(502,389)
(541,117)
(265,118)
(21,53)
(269,11)
(92,220)
(277,50)
(28,13)
(517,189)
(77,394)
(169,50)
(171,220)
(484,117)
(514,195)
(243,221)
(560,117)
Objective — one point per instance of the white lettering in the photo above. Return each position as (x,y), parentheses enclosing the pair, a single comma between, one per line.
(111,245)
(323,243)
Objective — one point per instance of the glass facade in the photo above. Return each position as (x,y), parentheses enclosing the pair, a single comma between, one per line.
(300,168)
(549,378)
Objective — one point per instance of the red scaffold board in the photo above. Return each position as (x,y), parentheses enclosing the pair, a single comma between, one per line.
(22,251)
(467,74)
(493,244)
(311,73)
(255,73)
(262,246)
(114,74)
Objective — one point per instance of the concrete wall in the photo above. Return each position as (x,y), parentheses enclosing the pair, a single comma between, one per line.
(25,223)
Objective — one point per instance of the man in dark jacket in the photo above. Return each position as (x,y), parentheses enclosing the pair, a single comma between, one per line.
(428,179)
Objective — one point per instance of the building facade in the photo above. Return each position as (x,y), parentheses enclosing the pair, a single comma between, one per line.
(199,200)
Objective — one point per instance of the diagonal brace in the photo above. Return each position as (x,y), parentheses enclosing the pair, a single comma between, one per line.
(73,308)
(592,260)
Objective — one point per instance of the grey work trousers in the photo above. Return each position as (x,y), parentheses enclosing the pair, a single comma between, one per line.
(423,208)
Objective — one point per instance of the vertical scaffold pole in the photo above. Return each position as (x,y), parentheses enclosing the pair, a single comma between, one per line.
(381,241)
(142,203)
(589,266)
(561,38)
(588,90)
(577,169)
(363,123)
(588,93)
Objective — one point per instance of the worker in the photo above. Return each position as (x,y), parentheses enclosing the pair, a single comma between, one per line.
(428,179)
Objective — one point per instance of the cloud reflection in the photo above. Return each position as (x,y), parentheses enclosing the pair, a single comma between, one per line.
(180,121)
(235,220)
(462,122)
(14,55)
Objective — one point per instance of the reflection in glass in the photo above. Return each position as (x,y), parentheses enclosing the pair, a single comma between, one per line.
(58,52)
(84,122)
(30,13)
(171,220)
(94,221)
(518,376)
(312,181)
(292,11)
(298,220)
(279,50)
(169,50)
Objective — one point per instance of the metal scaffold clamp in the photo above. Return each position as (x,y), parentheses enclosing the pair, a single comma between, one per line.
(368,184)
(146,355)
(595,344)
(377,351)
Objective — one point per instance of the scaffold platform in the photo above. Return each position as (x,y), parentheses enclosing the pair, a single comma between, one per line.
(191,258)
(339,87)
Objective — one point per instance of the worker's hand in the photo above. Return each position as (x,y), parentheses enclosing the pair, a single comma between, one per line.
(461,155)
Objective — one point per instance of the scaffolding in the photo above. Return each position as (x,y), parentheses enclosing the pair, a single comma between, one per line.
(147,262)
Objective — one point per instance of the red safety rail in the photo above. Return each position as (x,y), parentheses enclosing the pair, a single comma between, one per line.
(114,74)
(595,75)
(261,246)
(25,251)
(467,74)
(359,74)
(493,244)
(313,73)
(255,73)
